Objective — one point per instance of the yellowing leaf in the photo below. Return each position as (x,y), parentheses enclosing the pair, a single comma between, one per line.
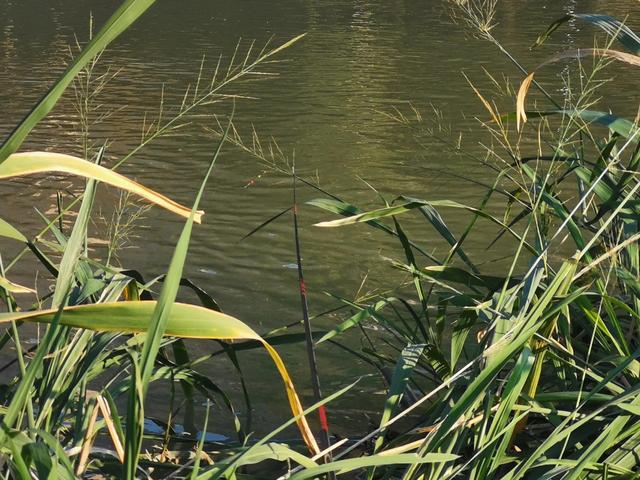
(29,163)
(294,401)
(494,116)
(186,321)
(521,116)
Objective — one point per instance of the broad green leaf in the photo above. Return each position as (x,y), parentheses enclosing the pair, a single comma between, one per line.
(633,409)
(603,189)
(184,320)
(9,231)
(351,464)
(616,124)
(29,163)
(276,451)
(123,17)
(373,214)
(461,276)
(404,368)
(436,220)
(76,242)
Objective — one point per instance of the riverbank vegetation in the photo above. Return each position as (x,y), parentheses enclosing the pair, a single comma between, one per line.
(528,372)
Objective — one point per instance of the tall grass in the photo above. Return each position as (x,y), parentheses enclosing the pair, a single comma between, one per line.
(531,372)
(51,412)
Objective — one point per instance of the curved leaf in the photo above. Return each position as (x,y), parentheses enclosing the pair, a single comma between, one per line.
(373,214)
(405,364)
(13,287)
(412,205)
(354,320)
(348,210)
(595,52)
(461,276)
(184,320)
(29,163)
(613,27)
(275,451)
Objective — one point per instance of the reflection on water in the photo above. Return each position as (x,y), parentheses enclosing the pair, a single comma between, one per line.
(358,60)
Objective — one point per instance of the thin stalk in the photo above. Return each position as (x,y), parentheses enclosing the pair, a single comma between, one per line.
(524,71)
(173,123)
(19,353)
(311,351)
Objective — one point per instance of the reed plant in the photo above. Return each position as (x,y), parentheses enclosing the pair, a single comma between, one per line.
(107,335)
(531,372)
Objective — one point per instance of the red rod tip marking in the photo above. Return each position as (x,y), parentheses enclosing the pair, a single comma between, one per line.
(322,413)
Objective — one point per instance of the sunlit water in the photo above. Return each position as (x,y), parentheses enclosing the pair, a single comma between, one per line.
(326,108)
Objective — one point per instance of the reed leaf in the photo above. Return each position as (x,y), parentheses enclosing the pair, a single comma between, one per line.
(610,25)
(616,124)
(354,320)
(29,163)
(9,231)
(11,287)
(346,209)
(184,320)
(345,466)
(416,204)
(399,381)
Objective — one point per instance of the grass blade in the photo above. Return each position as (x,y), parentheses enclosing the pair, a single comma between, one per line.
(122,18)
(29,163)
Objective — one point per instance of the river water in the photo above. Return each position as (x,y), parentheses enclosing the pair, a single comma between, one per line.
(325,105)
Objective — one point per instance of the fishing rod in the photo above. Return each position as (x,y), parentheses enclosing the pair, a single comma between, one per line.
(325,439)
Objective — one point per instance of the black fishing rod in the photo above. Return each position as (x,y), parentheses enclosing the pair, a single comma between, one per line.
(311,351)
